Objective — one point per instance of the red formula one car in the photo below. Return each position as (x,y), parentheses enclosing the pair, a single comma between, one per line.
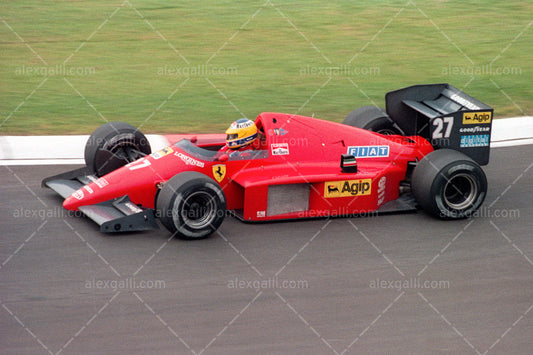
(424,151)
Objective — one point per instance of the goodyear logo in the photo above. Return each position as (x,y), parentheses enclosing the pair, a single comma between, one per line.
(345,188)
(477,117)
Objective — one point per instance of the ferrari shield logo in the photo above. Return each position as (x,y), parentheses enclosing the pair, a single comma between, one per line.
(219,171)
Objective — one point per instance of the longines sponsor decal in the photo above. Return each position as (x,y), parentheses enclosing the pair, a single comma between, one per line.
(345,188)
(371,151)
(188,160)
(477,117)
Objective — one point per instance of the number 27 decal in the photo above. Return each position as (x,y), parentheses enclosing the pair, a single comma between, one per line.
(443,127)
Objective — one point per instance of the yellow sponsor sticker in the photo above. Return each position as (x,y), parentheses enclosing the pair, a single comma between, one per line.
(162,153)
(343,188)
(477,117)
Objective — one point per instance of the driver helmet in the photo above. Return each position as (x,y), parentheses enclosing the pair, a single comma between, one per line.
(241,133)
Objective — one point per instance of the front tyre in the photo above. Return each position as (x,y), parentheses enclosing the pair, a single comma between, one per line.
(449,184)
(113,145)
(191,205)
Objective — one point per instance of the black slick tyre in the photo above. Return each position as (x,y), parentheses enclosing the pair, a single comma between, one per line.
(448,184)
(113,145)
(374,119)
(192,205)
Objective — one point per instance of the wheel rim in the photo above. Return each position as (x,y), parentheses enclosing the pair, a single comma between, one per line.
(460,192)
(199,210)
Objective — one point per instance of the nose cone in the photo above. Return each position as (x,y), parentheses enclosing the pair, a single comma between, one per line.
(74,201)
(138,180)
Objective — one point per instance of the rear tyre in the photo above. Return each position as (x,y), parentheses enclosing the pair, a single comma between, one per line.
(113,145)
(191,205)
(374,119)
(448,184)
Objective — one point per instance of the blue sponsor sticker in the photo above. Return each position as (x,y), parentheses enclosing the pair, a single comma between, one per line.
(370,151)
(471,141)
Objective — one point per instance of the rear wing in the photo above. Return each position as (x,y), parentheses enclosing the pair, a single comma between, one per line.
(445,116)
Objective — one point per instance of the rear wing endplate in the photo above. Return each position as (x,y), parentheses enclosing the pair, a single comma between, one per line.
(445,116)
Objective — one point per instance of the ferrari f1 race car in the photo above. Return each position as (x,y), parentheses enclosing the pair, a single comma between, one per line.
(424,151)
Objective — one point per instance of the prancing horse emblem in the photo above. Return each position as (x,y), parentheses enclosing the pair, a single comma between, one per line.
(219,171)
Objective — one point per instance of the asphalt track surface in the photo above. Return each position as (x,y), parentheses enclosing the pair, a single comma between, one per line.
(403,284)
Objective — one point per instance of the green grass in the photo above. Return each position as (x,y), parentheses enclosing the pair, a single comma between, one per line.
(271,56)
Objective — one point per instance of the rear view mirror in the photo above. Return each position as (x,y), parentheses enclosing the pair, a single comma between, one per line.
(223,158)
(348,163)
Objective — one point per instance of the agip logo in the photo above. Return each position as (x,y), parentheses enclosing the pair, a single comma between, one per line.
(345,188)
(477,117)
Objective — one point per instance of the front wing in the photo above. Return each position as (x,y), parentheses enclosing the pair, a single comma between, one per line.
(117,215)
